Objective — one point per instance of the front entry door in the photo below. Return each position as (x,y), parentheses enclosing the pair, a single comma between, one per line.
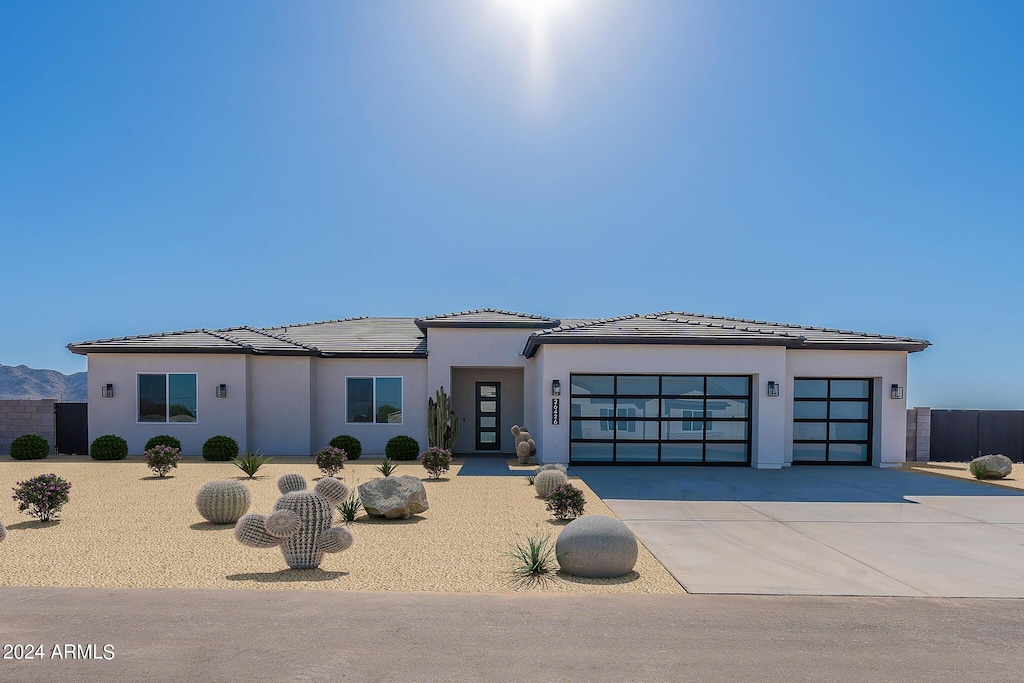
(488,416)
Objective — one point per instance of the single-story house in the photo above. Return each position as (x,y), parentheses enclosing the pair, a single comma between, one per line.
(668,387)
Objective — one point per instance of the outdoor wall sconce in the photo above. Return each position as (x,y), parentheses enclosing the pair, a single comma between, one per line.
(107,391)
(222,391)
(773,389)
(556,387)
(896,392)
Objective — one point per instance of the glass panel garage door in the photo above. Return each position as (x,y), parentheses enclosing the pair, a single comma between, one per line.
(832,421)
(669,419)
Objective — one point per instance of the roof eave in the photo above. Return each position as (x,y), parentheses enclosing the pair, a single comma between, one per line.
(534,342)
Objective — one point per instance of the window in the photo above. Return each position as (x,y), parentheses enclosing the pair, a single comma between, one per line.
(660,418)
(374,400)
(831,421)
(167,397)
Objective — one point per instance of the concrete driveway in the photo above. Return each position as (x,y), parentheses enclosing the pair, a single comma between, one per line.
(821,530)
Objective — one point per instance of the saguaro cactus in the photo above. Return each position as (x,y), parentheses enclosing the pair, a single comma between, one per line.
(300,523)
(442,421)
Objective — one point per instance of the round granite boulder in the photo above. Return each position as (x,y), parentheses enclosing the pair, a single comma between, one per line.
(596,547)
(991,466)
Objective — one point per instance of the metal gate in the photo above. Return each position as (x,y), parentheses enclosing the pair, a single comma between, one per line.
(72,428)
(961,435)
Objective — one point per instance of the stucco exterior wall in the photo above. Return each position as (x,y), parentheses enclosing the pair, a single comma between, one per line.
(558,361)
(464,403)
(889,435)
(281,395)
(118,415)
(331,411)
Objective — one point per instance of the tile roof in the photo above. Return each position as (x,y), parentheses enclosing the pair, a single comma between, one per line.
(671,327)
(364,337)
(485,317)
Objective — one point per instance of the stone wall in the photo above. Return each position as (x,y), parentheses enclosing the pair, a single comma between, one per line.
(919,434)
(27,417)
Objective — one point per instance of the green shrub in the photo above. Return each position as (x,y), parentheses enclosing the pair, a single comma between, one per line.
(350,444)
(109,447)
(30,447)
(162,459)
(163,440)
(42,496)
(566,502)
(220,448)
(402,448)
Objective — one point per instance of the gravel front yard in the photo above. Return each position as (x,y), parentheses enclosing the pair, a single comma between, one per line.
(125,528)
(959,470)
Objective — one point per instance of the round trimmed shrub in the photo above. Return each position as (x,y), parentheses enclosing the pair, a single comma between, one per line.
(350,444)
(402,448)
(163,440)
(109,447)
(30,447)
(220,448)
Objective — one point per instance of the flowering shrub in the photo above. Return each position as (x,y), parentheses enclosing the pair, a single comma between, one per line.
(566,502)
(436,461)
(42,496)
(162,459)
(330,459)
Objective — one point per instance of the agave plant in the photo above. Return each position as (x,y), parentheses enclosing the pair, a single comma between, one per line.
(250,463)
(387,467)
(533,558)
(350,508)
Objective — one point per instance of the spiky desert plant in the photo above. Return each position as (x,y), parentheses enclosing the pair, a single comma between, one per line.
(547,481)
(387,468)
(442,421)
(223,501)
(250,463)
(979,470)
(300,523)
(529,479)
(533,557)
(350,508)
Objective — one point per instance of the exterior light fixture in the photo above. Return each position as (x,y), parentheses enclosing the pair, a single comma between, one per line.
(222,391)
(896,392)
(773,389)
(556,387)
(107,391)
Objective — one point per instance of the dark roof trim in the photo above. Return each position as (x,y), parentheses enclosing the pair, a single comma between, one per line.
(525,320)
(78,349)
(534,343)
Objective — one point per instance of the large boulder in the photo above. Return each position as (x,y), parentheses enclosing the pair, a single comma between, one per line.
(991,466)
(596,547)
(393,497)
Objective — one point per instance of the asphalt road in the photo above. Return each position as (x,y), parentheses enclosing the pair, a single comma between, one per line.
(281,635)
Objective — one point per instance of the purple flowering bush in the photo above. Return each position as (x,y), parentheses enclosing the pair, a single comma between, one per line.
(330,459)
(566,502)
(42,497)
(162,459)
(436,460)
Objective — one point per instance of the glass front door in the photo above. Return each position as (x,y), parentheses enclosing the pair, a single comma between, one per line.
(488,416)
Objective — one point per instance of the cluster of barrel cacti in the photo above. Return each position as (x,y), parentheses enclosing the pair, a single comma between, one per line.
(442,421)
(525,447)
(300,523)
(223,501)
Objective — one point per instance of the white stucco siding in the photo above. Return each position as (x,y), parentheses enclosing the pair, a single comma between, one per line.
(119,415)
(331,411)
(281,405)
(764,364)
(889,420)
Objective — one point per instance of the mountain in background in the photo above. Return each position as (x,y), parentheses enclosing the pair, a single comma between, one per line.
(21,381)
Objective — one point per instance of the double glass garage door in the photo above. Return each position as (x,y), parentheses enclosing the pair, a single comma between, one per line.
(660,418)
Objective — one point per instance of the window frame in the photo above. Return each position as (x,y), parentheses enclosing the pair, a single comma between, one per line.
(167,398)
(373,398)
(615,419)
(828,420)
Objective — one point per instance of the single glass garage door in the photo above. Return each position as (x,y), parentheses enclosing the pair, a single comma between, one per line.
(668,419)
(832,421)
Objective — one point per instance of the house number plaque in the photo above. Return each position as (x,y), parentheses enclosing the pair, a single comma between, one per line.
(554,411)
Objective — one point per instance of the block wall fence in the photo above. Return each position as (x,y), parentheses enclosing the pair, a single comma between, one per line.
(19,417)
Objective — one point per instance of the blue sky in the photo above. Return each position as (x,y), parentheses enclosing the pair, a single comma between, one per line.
(190,164)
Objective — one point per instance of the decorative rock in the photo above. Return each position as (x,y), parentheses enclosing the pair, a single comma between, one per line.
(994,466)
(547,481)
(223,501)
(3,532)
(596,547)
(393,497)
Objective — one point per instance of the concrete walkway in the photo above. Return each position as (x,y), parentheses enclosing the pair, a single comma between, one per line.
(822,530)
(295,635)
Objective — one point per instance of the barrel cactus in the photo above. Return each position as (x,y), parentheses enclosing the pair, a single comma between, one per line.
(223,502)
(300,523)
(547,481)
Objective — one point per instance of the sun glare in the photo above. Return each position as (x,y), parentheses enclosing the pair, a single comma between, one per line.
(540,17)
